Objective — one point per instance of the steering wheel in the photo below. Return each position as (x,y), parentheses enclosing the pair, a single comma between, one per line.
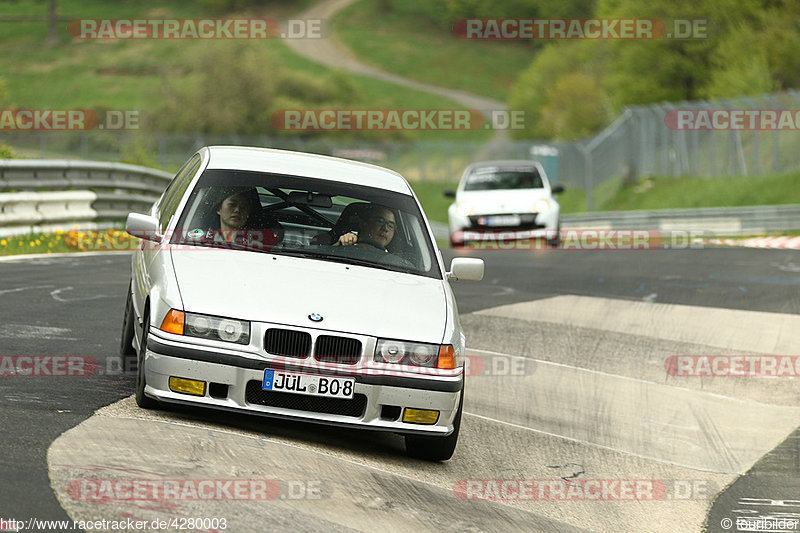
(372,243)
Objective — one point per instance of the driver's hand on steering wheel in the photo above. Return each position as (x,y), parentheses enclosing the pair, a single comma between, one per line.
(347,239)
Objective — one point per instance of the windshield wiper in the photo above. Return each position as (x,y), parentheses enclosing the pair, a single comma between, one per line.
(363,262)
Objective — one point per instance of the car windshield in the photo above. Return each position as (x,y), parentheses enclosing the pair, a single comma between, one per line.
(493,178)
(313,218)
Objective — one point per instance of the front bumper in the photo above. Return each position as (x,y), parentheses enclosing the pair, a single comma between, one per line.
(234,383)
(531,226)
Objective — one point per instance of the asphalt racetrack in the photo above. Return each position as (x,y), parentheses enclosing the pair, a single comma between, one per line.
(575,416)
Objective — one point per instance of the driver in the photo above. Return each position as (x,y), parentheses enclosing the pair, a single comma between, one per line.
(376,228)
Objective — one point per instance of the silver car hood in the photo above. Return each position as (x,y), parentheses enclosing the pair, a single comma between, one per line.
(286,290)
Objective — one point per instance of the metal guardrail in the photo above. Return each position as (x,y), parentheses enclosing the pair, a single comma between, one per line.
(34,212)
(750,220)
(120,188)
(721,221)
(117,189)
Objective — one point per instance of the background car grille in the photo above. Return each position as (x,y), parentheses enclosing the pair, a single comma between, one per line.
(526,221)
(340,350)
(254,394)
(287,342)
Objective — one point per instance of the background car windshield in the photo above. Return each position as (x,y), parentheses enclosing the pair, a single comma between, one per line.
(307,217)
(487,179)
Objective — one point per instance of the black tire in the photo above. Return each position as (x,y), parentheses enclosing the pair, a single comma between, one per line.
(555,242)
(145,402)
(126,349)
(436,448)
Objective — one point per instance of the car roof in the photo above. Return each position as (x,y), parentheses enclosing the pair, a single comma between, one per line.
(506,163)
(306,165)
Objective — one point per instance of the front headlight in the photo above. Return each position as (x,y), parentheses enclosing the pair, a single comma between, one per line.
(413,353)
(541,205)
(217,328)
(465,209)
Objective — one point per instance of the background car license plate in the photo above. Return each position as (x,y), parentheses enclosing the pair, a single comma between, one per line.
(327,386)
(503,220)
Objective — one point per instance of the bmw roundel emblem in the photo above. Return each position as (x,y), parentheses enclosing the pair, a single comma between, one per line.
(315,317)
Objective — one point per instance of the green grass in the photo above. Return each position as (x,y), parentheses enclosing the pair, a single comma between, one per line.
(687,192)
(129,74)
(416,48)
(433,201)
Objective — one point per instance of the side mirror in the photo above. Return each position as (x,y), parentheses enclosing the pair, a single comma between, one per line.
(143,227)
(558,189)
(449,193)
(465,269)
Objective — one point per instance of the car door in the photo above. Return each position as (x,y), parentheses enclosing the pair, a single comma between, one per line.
(148,262)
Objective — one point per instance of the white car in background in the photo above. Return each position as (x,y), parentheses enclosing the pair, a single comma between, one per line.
(504,200)
(329,303)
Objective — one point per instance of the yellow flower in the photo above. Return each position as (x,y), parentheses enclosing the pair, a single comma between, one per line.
(32,244)
(3,242)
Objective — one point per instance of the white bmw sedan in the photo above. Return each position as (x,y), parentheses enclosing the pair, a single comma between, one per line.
(504,200)
(300,287)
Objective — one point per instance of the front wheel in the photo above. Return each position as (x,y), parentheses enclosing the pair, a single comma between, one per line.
(126,349)
(145,402)
(436,448)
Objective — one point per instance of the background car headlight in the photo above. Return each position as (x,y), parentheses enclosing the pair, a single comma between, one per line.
(541,205)
(412,353)
(217,328)
(465,209)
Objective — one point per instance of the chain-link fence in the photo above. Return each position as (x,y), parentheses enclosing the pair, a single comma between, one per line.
(745,136)
(641,141)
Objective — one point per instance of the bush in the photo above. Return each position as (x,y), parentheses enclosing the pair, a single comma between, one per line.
(6,152)
(233,88)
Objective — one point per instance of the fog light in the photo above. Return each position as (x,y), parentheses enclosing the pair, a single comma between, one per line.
(420,416)
(187,386)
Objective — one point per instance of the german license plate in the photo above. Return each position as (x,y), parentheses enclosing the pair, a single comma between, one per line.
(503,220)
(308,384)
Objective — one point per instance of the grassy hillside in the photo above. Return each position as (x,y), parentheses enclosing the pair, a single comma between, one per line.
(416,48)
(129,74)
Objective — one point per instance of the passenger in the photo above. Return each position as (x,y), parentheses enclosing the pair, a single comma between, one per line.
(233,213)
(376,228)
(239,220)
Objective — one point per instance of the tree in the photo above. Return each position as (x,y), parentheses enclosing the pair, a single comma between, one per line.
(575,107)
(564,73)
